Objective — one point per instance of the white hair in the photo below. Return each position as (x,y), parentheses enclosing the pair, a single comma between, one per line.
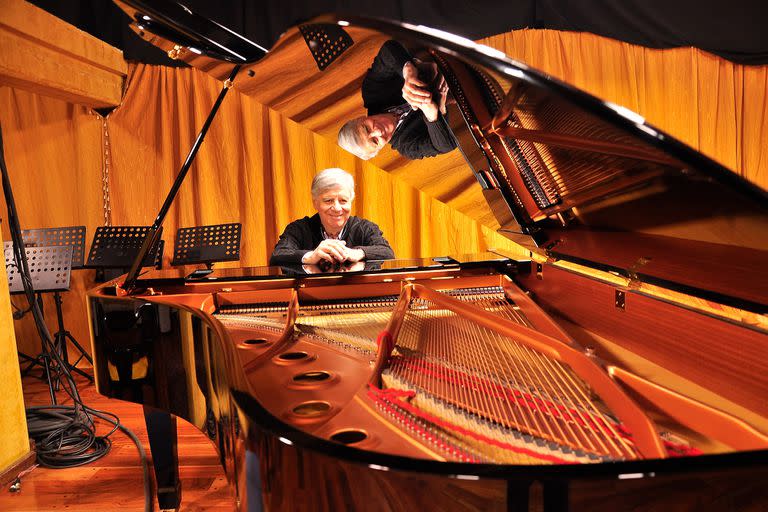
(349,139)
(332,178)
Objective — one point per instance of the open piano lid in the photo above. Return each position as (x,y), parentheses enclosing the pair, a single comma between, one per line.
(564,173)
(186,36)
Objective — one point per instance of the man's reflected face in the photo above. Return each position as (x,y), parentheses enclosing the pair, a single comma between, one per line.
(374,132)
(334,206)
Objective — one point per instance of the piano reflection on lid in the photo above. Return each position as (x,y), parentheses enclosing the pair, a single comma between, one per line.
(325,267)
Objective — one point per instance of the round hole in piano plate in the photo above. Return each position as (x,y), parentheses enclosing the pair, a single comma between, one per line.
(311,409)
(255,341)
(349,436)
(311,377)
(293,356)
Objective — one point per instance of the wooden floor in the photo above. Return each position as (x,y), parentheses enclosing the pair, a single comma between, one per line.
(115,481)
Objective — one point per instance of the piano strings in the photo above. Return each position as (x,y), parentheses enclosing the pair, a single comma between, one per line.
(492,377)
(467,390)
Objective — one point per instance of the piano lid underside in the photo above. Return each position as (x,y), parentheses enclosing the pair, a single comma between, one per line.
(566,182)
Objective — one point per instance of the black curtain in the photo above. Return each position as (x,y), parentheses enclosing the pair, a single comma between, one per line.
(734,30)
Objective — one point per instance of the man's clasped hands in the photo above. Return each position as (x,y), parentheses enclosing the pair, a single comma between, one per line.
(424,88)
(333,251)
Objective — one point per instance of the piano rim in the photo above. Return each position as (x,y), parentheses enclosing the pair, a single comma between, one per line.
(294,437)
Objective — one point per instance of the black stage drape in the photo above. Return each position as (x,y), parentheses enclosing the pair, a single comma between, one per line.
(734,30)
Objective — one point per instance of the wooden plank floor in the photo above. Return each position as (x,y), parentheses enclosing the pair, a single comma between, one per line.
(115,481)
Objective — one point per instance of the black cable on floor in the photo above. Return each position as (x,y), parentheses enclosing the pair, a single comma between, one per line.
(64,436)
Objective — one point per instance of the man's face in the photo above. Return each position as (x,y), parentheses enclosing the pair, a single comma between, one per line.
(374,132)
(334,206)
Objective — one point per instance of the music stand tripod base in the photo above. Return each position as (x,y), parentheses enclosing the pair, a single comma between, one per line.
(50,271)
(73,237)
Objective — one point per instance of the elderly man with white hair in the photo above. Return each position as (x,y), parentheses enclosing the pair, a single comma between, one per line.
(331,236)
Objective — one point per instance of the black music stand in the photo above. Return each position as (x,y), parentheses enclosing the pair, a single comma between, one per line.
(207,245)
(50,269)
(74,237)
(326,42)
(115,247)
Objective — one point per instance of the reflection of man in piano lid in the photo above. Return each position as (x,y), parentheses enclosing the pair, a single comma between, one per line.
(406,99)
(332,235)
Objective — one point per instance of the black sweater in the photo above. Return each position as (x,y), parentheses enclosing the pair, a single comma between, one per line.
(303,235)
(382,88)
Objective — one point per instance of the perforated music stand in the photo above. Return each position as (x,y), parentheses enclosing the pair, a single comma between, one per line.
(117,247)
(326,42)
(72,236)
(207,244)
(50,270)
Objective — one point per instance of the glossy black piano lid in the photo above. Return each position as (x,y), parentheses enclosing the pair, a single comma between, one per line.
(651,208)
(175,22)
(677,218)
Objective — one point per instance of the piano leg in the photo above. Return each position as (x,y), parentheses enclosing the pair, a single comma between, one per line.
(517,495)
(555,495)
(161,428)
(549,496)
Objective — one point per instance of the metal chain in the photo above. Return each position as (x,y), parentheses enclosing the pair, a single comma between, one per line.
(105,175)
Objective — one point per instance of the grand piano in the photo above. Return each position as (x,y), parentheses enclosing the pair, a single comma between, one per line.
(622,365)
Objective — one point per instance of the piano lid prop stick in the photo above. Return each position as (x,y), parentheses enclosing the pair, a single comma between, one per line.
(133,274)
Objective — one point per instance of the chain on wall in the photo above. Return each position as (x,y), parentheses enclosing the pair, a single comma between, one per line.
(105,175)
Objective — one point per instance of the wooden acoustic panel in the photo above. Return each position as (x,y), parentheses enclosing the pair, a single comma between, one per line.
(45,55)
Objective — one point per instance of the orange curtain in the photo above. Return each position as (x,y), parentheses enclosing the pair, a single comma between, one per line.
(53,151)
(255,165)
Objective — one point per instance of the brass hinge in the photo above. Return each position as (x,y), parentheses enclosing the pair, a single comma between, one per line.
(634,281)
(176,52)
(548,251)
(620,300)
